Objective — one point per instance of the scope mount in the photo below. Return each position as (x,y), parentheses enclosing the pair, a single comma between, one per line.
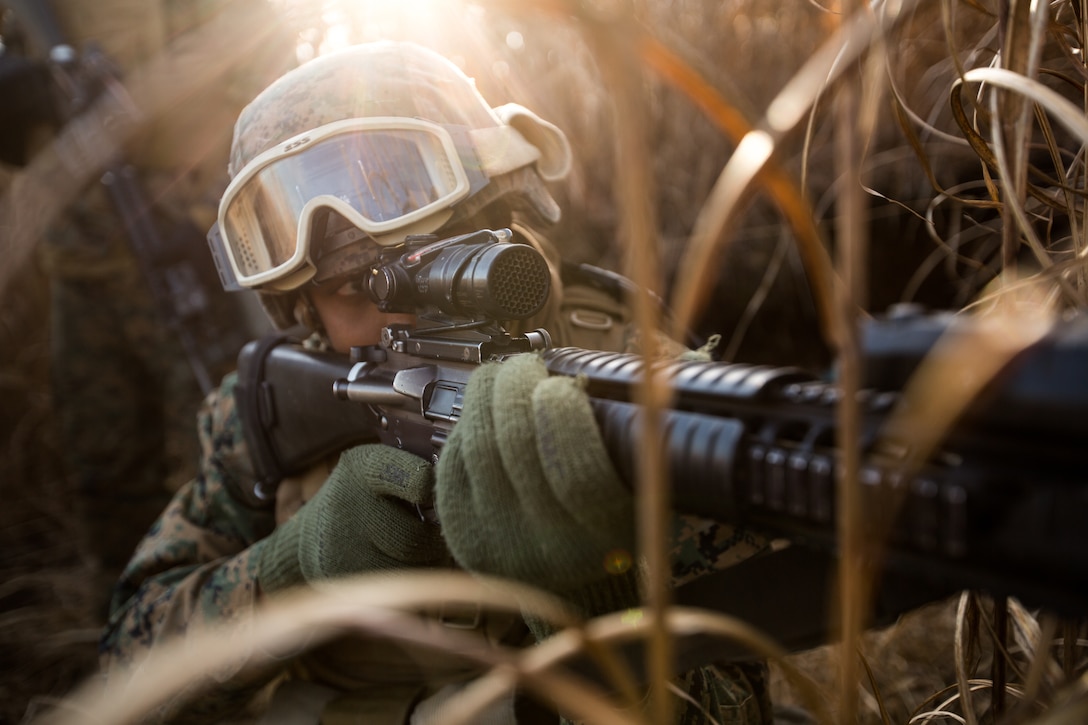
(466,345)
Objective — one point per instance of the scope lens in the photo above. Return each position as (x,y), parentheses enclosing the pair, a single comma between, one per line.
(493,280)
(506,281)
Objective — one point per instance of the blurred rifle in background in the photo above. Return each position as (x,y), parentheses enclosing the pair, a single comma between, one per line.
(999,508)
(170,252)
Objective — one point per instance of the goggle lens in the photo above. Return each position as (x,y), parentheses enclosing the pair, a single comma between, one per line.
(383,175)
(387,177)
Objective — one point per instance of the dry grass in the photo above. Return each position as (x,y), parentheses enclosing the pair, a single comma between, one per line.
(813,184)
(47,630)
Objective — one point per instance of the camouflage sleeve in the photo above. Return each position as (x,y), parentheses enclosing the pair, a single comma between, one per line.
(728,693)
(196,566)
(701,546)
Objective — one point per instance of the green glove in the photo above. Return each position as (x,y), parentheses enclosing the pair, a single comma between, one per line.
(526,491)
(364,518)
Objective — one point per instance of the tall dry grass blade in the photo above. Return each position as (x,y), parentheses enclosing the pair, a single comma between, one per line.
(622,627)
(609,34)
(757,298)
(927,712)
(997,628)
(612,667)
(965,360)
(962,647)
(927,717)
(783,191)
(905,119)
(875,686)
(1064,111)
(708,718)
(982,148)
(1070,644)
(1015,218)
(373,605)
(857,113)
(1066,204)
(1034,641)
(757,147)
(909,118)
(1023,24)
(963,694)
(478,695)
(999,666)
(852,246)
(955,236)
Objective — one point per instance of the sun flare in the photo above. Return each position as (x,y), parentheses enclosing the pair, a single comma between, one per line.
(330,25)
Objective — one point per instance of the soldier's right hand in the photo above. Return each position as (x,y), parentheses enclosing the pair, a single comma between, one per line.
(365,518)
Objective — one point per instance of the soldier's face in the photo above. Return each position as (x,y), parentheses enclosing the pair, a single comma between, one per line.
(349,316)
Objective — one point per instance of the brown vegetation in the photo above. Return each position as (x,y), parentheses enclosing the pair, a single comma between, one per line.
(936,223)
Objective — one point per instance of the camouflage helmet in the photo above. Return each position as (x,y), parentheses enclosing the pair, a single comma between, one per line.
(399,79)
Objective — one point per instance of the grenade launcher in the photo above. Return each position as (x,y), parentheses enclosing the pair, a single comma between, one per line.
(1000,507)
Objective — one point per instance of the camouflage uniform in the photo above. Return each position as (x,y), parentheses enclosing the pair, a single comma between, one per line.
(123,388)
(197,566)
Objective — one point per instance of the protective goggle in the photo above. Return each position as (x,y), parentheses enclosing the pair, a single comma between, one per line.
(390,177)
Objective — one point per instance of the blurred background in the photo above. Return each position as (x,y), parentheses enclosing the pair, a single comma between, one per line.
(933,236)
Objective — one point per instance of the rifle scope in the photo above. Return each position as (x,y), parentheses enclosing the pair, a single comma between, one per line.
(481,274)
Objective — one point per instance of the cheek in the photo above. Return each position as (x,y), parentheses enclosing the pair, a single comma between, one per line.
(354,320)
(350,324)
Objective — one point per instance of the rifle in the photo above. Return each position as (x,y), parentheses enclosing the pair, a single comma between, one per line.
(170,254)
(1000,508)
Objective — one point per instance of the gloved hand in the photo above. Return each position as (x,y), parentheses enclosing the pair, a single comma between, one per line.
(364,518)
(525,489)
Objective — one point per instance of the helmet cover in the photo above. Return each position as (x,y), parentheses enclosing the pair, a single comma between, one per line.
(393,79)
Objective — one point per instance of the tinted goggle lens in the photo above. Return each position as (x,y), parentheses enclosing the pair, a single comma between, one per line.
(380,179)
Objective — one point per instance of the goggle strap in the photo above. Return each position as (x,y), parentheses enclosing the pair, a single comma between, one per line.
(502,149)
(555,154)
(222,261)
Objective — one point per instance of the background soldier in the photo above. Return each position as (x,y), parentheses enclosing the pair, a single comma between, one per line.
(125,387)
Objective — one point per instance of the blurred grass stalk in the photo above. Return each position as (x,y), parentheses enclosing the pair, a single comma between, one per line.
(839,296)
(384,605)
(610,34)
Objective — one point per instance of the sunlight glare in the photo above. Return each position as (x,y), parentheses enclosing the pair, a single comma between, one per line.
(340,23)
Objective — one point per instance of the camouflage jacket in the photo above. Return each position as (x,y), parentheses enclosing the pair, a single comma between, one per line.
(196,566)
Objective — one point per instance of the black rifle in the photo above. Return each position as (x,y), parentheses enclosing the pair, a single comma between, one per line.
(171,254)
(1000,508)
